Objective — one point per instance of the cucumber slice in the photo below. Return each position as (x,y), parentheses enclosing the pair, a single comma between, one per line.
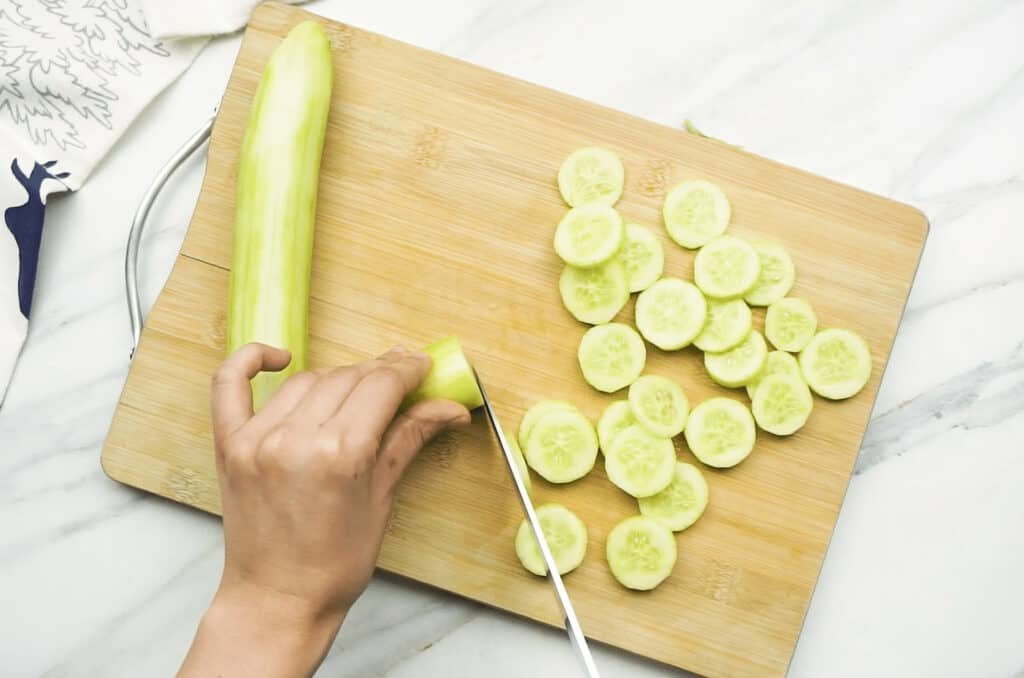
(591,175)
(671,313)
(776,277)
(589,235)
(726,268)
(776,362)
(642,256)
(641,553)
(659,404)
(728,323)
(720,432)
(562,447)
(782,404)
(836,364)
(565,534)
(611,356)
(639,462)
(680,504)
(594,295)
(616,418)
(695,212)
(789,324)
(524,471)
(534,414)
(737,366)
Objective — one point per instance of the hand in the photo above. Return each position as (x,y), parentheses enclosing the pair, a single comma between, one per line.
(306,489)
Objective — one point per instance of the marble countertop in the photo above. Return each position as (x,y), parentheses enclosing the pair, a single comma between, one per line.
(921,101)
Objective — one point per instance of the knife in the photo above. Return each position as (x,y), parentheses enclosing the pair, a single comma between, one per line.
(572,624)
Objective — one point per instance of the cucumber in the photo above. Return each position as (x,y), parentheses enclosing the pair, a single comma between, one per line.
(589,235)
(728,324)
(450,377)
(642,256)
(776,362)
(720,432)
(659,405)
(641,553)
(639,462)
(695,212)
(611,356)
(591,175)
(836,364)
(789,324)
(670,313)
(739,365)
(681,503)
(562,447)
(594,295)
(776,277)
(565,534)
(524,471)
(782,404)
(616,418)
(726,268)
(534,413)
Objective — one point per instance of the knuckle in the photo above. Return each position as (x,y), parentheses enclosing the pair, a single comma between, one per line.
(327,450)
(390,377)
(357,441)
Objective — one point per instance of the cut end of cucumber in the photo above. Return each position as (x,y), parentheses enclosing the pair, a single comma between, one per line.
(681,503)
(562,447)
(589,235)
(611,356)
(641,553)
(695,212)
(739,365)
(726,268)
(776,277)
(659,405)
(591,175)
(836,364)
(789,324)
(565,534)
(782,404)
(720,432)
(671,313)
(616,418)
(728,324)
(594,295)
(642,257)
(450,377)
(639,462)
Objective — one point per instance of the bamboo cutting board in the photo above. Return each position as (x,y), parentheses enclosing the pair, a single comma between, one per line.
(436,214)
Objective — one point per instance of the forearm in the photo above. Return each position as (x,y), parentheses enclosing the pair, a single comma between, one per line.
(259,636)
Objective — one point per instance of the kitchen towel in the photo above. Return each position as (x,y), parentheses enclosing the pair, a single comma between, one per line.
(186,18)
(73,75)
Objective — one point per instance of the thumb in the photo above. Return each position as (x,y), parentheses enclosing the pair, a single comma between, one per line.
(409,432)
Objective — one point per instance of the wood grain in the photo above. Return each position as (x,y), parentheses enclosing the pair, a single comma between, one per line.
(437,208)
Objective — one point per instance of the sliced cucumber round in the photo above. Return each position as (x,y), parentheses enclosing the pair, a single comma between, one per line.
(836,364)
(680,504)
(695,212)
(728,323)
(589,235)
(789,324)
(616,418)
(720,432)
(534,414)
(524,471)
(670,313)
(739,365)
(641,553)
(565,534)
(642,256)
(776,362)
(594,295)
(562,447)
(591,175)
(611,356)
(776,277)
(639,462)
(659,404)
(782,404)
(726,268)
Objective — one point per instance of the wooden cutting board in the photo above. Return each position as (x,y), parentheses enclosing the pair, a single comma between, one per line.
(437,208)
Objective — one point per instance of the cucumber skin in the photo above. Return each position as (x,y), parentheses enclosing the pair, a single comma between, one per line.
(275,202)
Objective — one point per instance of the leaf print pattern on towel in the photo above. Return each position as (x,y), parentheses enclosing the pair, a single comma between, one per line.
(58,59)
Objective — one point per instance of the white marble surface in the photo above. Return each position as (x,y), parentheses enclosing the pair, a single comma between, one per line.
(921,100)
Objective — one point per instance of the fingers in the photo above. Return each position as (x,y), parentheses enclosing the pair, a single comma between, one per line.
(370,408)
(231,393)
(333,386)
(409,432)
